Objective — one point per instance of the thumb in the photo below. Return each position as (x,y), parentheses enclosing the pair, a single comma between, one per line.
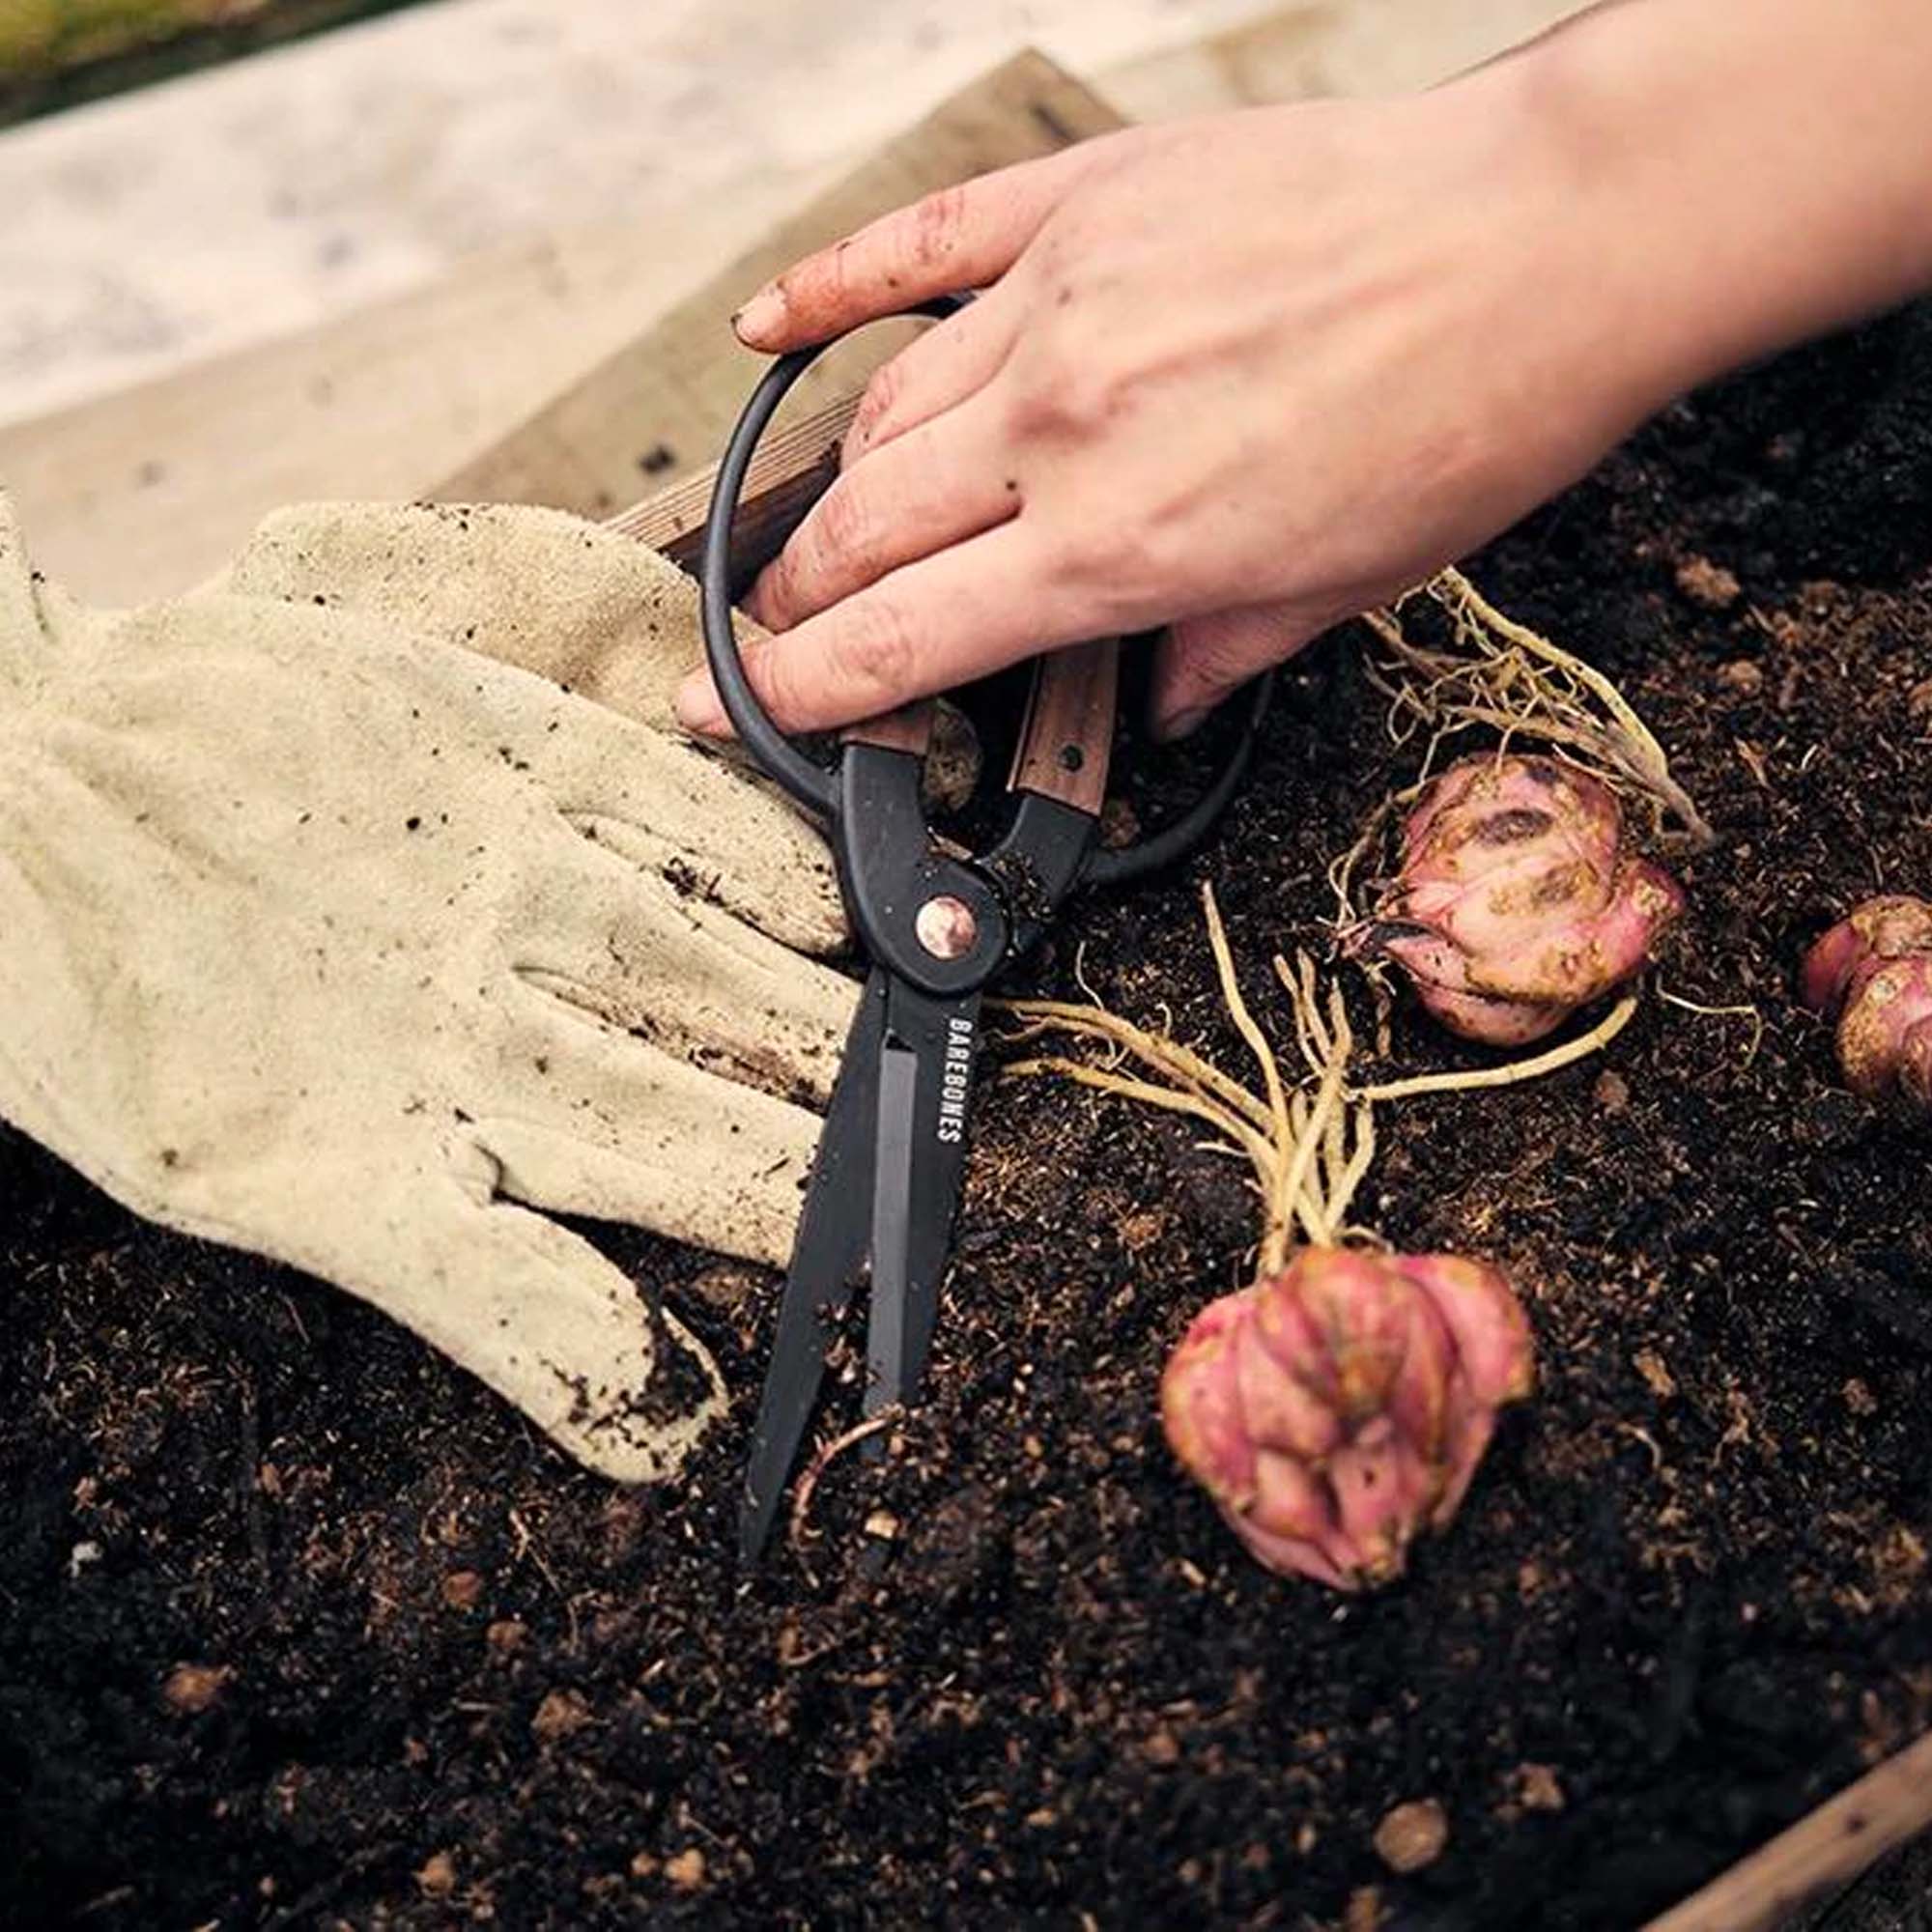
(547,1321)
(1202,659)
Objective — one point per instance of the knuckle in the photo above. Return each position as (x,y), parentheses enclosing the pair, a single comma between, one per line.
(883,394)
(1068,391)
(844,532)
(1110,555)
(937,224)
(873,653)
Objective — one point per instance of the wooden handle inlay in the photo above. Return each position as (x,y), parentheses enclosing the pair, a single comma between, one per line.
(1068,736)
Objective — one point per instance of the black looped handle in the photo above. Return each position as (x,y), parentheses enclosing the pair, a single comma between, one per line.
(811,784)
(815,785)
(1177,840)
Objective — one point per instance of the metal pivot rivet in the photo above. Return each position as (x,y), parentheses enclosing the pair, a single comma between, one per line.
(946,927)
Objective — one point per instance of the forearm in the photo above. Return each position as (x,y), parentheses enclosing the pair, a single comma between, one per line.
(1754,171)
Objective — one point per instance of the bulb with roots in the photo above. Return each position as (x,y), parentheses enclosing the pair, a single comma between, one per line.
(1518,899)
(1338,1409)
(1871,974)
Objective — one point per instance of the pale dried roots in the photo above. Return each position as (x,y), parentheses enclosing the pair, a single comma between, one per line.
(1309,1145)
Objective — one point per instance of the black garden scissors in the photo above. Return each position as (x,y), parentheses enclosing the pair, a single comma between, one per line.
(936,929)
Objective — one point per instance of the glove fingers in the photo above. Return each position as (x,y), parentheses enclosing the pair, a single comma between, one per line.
(626,947)
(550,1324)
(607,620)
(715,832)
(598,613)
(732,1178)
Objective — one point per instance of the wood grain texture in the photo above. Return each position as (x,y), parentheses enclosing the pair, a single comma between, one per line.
(673,394)
(1068,737)
(792,468)
(1821,1852)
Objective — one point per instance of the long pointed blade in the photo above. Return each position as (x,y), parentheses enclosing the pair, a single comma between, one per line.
(927,1068)
(834,1233)
(891,1223)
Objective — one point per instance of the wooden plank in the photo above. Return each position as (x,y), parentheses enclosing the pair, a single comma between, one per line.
(144,491)
(1828,1848)
(149,491)
(793,465)
(668,399)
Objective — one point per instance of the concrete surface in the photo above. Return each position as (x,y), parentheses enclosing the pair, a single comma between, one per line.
(143,234)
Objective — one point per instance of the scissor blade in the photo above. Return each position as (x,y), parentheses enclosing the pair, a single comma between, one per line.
(833,1232)
(924,1097)
(891,1223)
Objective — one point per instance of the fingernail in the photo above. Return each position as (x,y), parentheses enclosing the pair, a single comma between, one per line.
(762,318)
(697,708)
(1183,723)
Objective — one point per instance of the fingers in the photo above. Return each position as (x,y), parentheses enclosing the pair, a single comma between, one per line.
(651,958)
(942,621)
(550,1325)
(959,237)
(934,486)
(935,372)
(1203,660)
(614,1128)
(669,807)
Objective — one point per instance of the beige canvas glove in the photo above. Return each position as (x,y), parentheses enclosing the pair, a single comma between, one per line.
(324,937)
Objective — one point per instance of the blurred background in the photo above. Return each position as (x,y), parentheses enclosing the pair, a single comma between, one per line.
(259,250)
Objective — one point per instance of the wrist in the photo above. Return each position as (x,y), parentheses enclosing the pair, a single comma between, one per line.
(1745,178)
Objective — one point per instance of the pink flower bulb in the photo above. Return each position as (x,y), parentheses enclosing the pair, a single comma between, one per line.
(1872,974)
(1339,1408)
(1518,899)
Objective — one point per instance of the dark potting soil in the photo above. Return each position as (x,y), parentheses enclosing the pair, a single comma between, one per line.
(438,1676)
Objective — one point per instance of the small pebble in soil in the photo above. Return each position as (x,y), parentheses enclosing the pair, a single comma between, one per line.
(1858,1399)
(461,1589)
(1650,1365)
(506,1634)
(1744,676)
(1412,1835)
(1611,1093)
(1538,1788)
(1707,585)
(193,1688)
(1365,1910)
(435,1877)
(685,1869)
(562,1715)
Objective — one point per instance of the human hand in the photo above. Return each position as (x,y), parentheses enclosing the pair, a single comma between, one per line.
(1244,376)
